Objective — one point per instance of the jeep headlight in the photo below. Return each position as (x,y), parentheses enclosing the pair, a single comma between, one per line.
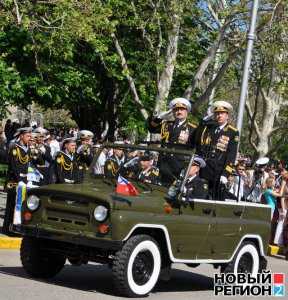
(100,213)
(33,202)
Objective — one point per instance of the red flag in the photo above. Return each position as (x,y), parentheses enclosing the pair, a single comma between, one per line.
(125,187)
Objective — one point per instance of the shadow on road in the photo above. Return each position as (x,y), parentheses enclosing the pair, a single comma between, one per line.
(98,279)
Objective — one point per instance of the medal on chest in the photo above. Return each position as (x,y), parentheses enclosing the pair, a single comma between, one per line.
(183,136)
(222,143)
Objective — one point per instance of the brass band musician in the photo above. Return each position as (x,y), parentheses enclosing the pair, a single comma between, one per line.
(18,162)
(66,167)
(84,152)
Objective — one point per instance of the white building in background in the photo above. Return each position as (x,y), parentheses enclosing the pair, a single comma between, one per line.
(23,115)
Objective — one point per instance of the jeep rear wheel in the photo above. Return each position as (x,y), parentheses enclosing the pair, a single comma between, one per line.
(37,261)
(246,260)
(136,267)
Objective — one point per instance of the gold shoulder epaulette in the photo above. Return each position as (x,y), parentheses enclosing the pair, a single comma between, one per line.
(233,128)
(192,124)
(155,172)
(59,158)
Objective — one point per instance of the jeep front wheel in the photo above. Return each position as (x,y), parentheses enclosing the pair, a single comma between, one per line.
(137,266)
(246,260)
(37,261)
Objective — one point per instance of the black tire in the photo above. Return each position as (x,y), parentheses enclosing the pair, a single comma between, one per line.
(37,262)
(137,266)
(75,261)
(246,260)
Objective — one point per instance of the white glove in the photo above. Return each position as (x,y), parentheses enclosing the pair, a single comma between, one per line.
(68,180)
(42,149)
(30,185)
(165,115)
(223,180)
(209,114)
(131,162)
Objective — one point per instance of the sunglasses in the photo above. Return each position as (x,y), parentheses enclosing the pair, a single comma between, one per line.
(179,108)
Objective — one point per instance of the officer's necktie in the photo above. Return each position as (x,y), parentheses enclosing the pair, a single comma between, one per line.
(218,129)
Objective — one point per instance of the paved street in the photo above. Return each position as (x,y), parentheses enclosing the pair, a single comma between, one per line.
(94,282)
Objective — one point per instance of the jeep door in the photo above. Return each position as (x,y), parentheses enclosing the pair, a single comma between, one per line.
(224,234)
(189,234)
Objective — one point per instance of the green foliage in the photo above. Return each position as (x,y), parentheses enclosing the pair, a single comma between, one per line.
(62,54)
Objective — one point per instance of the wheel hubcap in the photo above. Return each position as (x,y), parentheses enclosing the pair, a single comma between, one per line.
(142,267)
(245,264)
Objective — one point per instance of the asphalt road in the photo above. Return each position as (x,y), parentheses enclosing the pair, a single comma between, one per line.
(93,281)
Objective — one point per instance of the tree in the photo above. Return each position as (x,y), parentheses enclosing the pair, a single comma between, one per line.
(266,105)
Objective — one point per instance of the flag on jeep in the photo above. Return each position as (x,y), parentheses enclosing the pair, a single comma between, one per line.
(20,197)
(125,187)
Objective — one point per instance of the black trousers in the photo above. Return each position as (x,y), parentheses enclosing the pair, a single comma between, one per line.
(9,212)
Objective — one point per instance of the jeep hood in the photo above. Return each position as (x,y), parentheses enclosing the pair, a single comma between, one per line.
(100,191)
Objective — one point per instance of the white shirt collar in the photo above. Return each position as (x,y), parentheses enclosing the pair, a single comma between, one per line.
(182,122)
(222,126)
(24,147)
(191,178)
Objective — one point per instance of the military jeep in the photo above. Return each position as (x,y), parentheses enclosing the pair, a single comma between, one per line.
(136,229)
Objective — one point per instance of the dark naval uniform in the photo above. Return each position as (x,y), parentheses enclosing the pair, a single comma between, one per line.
(42,161)
(18,162)
(84,160)
(219,149)
(150,175)
(172,132)
(66,168)
(112,166)
(196,188)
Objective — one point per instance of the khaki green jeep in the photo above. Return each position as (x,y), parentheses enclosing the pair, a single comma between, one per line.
(129,222)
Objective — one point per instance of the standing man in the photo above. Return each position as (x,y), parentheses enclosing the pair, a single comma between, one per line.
(84,152)
(218,144)
(18,162)
(114,163)
(66,168)
(54,145)
(178,132)
(44,158)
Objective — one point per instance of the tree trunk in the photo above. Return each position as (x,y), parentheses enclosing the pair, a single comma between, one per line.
(166,77)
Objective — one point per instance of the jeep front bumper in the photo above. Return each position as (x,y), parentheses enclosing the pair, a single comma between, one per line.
(67,237)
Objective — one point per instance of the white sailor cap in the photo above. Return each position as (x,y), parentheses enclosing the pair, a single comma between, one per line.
(199,161)
(67,140)
(180,102)
(22,130)
(262,161)
(222,106)
(85,134)
(40,131)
